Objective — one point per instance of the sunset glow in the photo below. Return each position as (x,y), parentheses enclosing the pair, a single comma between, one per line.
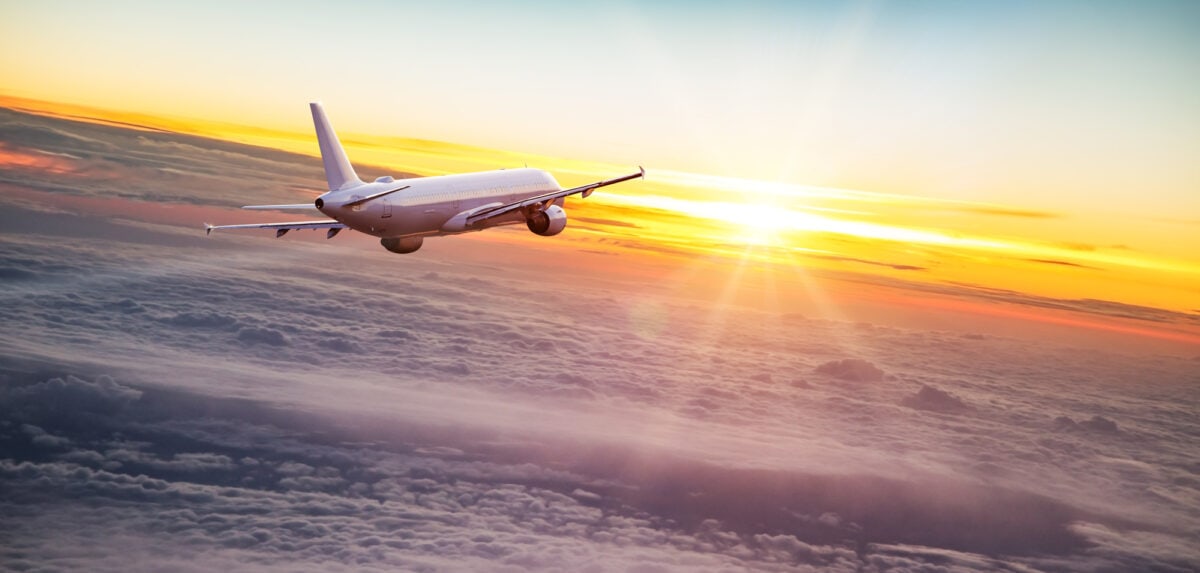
(779,223)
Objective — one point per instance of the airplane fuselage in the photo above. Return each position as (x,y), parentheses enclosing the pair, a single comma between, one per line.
(403,212)
(427,204)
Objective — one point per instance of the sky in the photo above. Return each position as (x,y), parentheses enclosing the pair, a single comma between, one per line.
(1042,147)
(1054,104)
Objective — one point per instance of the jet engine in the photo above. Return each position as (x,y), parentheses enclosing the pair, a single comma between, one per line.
(402,245)
(549,222)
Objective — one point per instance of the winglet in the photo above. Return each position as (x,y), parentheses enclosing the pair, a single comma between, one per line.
(338,170)
(208,229)
(642,171)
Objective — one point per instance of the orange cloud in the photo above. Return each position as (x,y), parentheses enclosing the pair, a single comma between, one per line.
(1172,333)
(16,158)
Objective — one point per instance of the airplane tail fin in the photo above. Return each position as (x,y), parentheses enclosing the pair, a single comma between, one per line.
(338,170)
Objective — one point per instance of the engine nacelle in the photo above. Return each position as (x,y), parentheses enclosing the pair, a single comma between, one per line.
(546,223)
(402,245)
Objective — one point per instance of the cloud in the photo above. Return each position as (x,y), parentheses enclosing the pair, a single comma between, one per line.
(1100,424)
(256,335)
(1005,212)
(206,319)
(69,393)
(895,266)
(1087,306)
(336,344)
(153,165)
(1142,549)
(852,369)
(481,492)
(382,510)
(1061,263)
(40,438)
(1096,424)
(288,499)
(935,400)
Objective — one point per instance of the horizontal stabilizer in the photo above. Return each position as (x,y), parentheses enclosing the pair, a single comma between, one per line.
(295,207)
(280,228)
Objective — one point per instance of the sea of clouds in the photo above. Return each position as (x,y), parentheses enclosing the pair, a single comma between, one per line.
(175,402)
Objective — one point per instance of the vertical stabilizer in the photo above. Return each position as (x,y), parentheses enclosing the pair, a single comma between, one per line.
(338,170)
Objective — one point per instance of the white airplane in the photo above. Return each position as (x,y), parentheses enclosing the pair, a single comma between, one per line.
(403,212)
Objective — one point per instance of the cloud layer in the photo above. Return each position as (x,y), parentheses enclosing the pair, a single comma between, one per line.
(172,402)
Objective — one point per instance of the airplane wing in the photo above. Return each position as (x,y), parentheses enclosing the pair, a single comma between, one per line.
(283,228)
(546,199)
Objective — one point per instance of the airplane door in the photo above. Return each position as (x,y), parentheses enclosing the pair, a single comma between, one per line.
(387,208)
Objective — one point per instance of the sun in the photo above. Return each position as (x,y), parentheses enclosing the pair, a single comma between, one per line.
(761,224)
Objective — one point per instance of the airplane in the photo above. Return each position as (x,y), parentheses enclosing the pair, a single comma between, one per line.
(403,212)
